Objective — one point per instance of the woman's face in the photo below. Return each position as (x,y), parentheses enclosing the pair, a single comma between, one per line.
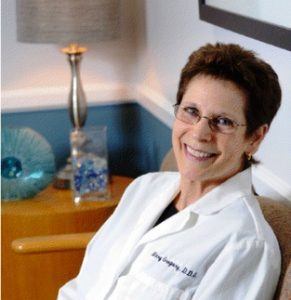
(201,153)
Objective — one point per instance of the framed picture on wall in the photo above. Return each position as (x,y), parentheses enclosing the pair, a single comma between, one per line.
(267,21)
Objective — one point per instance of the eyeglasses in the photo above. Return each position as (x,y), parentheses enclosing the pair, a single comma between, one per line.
(191,115)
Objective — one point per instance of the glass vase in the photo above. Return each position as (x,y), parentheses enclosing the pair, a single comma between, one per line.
(90,164)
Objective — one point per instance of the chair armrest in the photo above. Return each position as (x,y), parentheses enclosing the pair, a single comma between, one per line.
(50,243)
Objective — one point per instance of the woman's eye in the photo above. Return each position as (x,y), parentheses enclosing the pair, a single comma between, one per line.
(191,111)
(224,122)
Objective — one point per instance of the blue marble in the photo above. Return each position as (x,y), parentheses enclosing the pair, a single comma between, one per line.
(27,163)
(90,175)
(11,167)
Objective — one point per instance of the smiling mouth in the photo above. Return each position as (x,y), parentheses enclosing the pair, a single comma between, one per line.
(198,154)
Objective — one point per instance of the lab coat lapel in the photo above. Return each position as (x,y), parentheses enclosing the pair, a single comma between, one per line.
(169,226)
(147,219)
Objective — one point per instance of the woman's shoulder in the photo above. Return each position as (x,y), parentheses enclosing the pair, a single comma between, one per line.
(152,181)
(147,186)
(249,224)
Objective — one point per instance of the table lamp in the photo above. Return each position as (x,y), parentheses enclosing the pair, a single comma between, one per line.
(72,23)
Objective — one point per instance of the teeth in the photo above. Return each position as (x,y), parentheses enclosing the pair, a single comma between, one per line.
(197,153)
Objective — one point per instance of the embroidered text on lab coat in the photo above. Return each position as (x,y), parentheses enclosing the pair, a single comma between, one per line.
(174,265)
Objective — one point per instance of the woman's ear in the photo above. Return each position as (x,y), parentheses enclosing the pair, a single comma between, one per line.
(256,139)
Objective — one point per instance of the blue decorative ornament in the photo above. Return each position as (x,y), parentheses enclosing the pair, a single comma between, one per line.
(27,163)
(91,174)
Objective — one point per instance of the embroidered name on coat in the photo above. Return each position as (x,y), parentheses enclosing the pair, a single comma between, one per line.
(175,266)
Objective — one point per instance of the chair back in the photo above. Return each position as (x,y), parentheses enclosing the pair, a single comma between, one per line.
(278,215)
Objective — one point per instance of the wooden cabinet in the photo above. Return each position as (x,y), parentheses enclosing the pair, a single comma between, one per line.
(38,276)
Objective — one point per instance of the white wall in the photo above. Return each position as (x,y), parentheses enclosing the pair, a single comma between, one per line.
(144,64)
(40,73)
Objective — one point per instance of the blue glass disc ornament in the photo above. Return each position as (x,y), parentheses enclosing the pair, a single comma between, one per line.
(27,163)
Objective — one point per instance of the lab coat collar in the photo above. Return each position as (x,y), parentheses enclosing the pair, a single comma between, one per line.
(238,186)
(163,199)
(212,202)
(139,235)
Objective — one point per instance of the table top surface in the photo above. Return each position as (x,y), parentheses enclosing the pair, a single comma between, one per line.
(52,200)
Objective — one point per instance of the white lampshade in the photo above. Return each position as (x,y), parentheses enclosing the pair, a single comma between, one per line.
(67,21)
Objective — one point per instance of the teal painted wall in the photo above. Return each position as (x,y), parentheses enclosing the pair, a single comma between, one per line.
(137,141)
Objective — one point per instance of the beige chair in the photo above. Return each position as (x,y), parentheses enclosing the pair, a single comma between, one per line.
(276,213)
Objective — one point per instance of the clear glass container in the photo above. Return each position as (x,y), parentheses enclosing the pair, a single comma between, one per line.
(90,164)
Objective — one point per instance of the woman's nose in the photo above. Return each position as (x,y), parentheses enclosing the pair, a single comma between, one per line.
(201,130)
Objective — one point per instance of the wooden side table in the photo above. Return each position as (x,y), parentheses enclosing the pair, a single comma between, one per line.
(39,275)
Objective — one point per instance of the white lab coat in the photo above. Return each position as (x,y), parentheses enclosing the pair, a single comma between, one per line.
(218,248)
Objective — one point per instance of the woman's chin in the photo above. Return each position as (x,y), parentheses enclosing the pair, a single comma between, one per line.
(192,174)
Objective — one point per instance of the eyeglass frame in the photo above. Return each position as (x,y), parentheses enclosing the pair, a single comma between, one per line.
(211,125)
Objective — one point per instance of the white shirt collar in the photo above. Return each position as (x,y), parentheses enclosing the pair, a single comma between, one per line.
(223,195)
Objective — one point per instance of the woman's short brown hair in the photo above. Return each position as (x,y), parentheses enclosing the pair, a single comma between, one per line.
(253,76)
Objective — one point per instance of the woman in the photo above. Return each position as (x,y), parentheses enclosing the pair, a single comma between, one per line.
(198,233)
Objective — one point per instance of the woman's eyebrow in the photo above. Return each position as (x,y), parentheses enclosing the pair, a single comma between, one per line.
(191,104)
(212,114)
(224,114)
(219,113)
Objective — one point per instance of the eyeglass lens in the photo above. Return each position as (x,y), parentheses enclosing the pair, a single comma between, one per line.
(191,115)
